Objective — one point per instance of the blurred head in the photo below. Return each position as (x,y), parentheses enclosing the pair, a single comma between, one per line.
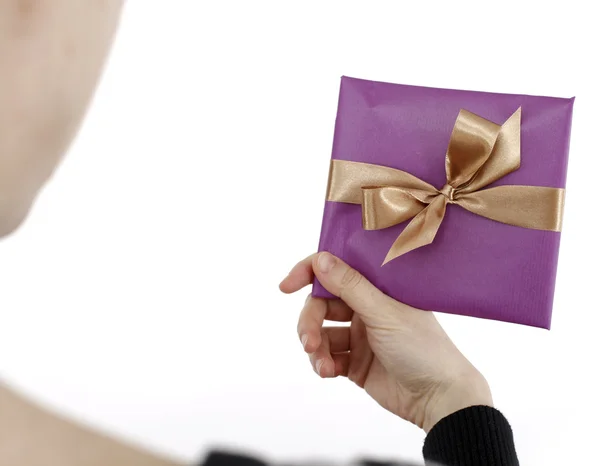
(51,58)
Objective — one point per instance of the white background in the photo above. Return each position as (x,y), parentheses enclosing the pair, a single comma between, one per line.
(141,295)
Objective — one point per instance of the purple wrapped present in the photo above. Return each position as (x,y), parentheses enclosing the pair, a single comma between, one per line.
(450,200)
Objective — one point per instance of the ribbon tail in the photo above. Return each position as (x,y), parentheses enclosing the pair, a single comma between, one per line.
(533,207)
(420,231)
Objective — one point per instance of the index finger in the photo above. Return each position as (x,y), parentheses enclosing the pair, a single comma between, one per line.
(301,275)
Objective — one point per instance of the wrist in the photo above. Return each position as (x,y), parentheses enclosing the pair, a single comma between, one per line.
(462,392)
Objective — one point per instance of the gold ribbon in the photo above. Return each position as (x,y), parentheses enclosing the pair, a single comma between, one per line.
(479,153)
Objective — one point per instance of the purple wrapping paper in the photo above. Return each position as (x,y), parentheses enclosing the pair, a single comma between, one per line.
(476,266)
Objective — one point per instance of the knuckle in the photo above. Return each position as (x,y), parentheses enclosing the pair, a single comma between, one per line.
(358,378)
(351,280)
(301,326)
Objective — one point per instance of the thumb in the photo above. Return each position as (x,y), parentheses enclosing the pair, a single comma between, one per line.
(348,284)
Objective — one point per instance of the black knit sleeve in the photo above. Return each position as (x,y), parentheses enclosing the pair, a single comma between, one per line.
(221,458)
(475,436)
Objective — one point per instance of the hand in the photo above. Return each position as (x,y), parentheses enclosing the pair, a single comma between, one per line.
(399,355)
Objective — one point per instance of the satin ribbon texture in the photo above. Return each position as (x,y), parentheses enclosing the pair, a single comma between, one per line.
(479,153)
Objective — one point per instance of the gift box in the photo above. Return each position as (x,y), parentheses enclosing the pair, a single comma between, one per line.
(450,200)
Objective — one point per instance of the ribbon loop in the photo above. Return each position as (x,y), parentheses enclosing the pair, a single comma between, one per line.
(383,207)
(471,144)
(479,153)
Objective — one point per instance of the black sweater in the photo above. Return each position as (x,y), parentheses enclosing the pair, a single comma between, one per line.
(476,436)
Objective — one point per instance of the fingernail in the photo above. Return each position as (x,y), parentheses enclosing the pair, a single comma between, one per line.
(325,262)
(304,340)
(319,365)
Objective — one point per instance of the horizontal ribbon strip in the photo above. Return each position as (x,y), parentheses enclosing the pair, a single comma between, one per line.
(480,152)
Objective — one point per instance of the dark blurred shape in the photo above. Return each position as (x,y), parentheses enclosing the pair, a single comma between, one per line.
(221,458)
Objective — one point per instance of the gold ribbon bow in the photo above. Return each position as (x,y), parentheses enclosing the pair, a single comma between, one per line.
(480,152)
